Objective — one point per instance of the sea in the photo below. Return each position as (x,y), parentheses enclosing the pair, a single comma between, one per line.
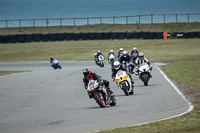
(61,12)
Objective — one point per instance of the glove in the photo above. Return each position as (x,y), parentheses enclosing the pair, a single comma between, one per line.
(128,73)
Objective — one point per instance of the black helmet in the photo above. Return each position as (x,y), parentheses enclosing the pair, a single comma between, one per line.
(86,72)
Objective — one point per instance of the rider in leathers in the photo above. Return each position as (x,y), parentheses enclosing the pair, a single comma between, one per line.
(140,60)
(88,75)
(116,67)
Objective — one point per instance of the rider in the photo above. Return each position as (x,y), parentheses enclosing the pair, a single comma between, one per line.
(88,75)
(126,58)
(51,59)
(134,51)
(116,67)
(120,53)
(111,52)
(140,60)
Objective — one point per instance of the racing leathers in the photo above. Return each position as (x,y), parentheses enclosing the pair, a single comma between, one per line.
(140,61)
(114,72)
(94,76)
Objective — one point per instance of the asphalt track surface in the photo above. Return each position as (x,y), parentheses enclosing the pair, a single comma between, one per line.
(55,101)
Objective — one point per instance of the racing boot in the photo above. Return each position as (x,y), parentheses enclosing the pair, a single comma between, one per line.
(111,92)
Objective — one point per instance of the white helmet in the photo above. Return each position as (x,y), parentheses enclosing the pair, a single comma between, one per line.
(116,65)
(98,51)
(121,49)
(125,53)
(111,51)
(134,48)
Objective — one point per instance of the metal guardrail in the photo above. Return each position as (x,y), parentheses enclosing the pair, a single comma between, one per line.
(137,19)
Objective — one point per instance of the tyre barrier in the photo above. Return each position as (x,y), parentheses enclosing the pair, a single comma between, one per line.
(145,35)
(61,36)
(152,35)
(69,36)
(5,39)
(77,36)
(99,36)
(93,36)
(107,36)
(45,37)
(37,37)
(159,35)
(53,37)
(13,39)
(22,38)
(115,35)
(29,38)
(122,35)
(130,35)
(84,36)
(137,35)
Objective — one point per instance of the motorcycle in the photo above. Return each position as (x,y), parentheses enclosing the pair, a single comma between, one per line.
(111,59)
(55,64)
(124,82)
(100,94)
(145,73)
(101,61)
(127,66)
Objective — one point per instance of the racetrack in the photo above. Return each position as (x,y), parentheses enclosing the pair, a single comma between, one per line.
(49,101)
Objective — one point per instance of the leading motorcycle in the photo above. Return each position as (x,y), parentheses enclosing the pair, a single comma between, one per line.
(55,64)
(124,82)
(100,94)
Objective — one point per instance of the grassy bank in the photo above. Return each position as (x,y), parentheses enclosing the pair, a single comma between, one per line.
(168,27)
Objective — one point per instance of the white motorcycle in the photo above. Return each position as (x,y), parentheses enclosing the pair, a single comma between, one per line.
(101,61)
(145,73)
(111,59)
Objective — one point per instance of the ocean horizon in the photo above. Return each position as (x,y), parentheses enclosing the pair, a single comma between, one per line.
(50,9)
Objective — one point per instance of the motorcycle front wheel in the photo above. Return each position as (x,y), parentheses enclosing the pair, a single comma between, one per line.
(145,79)
(99,99)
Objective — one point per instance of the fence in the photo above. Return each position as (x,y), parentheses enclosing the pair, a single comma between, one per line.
(138,19)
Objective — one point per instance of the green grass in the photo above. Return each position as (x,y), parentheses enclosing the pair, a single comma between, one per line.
(2,73)
(168,27)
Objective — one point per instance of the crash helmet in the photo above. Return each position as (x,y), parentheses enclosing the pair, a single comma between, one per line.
(116,65)
(141,55)
(125,54)
(134,48)
(98,51)
(121,49)
(111,51)
(86,72)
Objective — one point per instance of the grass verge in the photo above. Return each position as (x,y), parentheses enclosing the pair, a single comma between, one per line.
(168,27)
(2,73)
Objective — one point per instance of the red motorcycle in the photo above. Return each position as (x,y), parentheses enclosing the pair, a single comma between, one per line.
(100,94)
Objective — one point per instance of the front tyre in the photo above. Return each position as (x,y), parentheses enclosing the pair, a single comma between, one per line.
(99,99)
(125,88)
(145,79)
